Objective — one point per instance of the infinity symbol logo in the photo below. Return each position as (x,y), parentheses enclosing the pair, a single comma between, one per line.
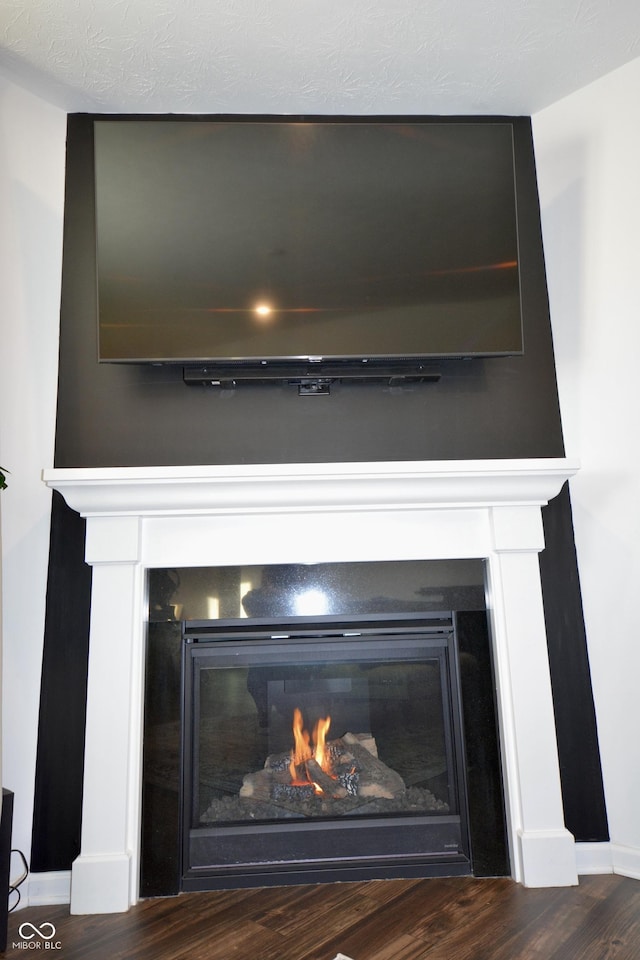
(36,931)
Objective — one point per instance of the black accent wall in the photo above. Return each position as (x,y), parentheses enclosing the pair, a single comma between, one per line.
(580,770)
(63,697)
(121,415)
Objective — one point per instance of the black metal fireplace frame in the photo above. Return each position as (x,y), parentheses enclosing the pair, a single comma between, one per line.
(242,855)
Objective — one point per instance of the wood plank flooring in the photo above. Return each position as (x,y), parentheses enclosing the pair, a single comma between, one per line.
(441,919)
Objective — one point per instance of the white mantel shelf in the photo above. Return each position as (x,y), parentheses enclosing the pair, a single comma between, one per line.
(206,516)
(309,487)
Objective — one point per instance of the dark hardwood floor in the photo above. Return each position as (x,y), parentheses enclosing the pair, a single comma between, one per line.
(449,919)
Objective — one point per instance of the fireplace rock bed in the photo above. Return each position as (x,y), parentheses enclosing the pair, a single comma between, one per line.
(414,801)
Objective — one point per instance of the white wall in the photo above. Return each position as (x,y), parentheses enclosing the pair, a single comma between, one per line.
(588,156)
(32,153)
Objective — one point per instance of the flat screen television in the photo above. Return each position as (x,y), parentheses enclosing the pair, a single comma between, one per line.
(252,243)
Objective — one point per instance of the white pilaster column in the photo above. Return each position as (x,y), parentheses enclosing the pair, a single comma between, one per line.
(103,878)
(542,849)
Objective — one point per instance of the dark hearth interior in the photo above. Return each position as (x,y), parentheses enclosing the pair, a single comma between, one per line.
(326,742)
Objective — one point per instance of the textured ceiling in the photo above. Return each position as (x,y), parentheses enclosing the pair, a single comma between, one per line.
(308,56)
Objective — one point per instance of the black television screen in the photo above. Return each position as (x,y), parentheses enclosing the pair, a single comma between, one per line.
(277,239)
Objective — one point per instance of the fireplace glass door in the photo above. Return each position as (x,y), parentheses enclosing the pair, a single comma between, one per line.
(332,745)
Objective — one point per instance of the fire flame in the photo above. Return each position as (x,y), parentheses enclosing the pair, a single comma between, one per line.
(320,736)
(304,749)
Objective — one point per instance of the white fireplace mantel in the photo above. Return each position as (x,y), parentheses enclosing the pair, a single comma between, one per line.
(286,488)
(142,517)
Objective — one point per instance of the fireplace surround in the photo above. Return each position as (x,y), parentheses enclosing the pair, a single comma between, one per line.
(398,651)
(142,518)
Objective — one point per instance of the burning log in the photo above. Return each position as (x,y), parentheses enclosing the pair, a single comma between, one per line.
(327,784)
(264,784)
(290,793)
(356,774)
(376,779)
(344,769)
(364,739)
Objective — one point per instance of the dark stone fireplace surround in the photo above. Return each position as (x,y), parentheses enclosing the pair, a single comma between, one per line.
(138,518)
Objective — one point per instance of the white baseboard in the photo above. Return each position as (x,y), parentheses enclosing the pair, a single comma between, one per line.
(592,858)
(608,858)
(48,888)
(626,861)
